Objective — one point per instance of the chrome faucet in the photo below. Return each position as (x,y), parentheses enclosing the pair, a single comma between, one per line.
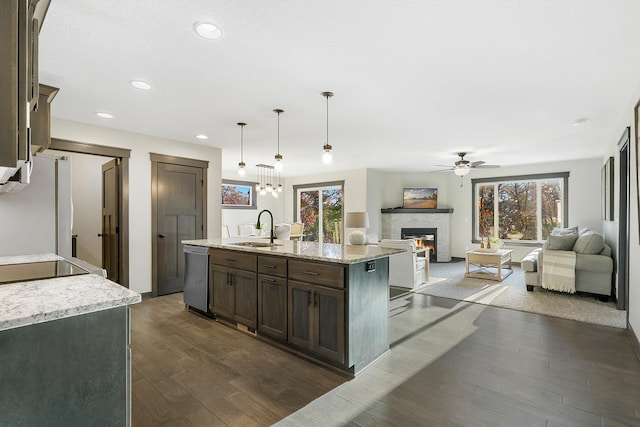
(258,223)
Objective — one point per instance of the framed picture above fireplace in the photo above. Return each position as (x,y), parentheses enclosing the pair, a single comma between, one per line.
(420,198)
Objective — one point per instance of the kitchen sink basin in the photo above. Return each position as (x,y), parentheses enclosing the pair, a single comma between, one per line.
(256,244)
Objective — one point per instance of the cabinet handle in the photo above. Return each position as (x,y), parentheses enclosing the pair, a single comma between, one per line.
(269,266)
(309,297)
(311,273)
(230,259)
(228,279)
(315,299)
(162,236)
(269,280)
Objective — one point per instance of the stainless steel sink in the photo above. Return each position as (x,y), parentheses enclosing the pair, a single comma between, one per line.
(256,244)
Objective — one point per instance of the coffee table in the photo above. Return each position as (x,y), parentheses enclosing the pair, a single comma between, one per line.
(489,265)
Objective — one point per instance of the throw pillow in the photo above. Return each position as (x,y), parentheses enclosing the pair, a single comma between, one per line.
(589,243)
(557,231)
(562,243)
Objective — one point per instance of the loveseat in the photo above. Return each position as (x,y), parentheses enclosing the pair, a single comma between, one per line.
(593,262)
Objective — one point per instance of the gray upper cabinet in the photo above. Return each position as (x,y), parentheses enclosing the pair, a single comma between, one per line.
(20,22)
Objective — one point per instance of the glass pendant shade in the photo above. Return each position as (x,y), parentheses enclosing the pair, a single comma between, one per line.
(462,171)
(327,157)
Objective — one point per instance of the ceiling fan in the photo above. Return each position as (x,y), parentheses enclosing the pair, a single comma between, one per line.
(462,167)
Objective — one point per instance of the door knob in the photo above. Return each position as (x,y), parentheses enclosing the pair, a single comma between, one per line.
(100,235)
(162,236)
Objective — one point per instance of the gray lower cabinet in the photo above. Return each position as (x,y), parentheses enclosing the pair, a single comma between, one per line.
(272,306)
(272,297)
(234,293)
(73,371)
(316,313)
(316,319)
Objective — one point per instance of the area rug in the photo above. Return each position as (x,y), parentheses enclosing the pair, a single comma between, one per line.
(448,281)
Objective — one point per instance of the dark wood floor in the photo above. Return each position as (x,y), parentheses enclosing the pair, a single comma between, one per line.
(451,363)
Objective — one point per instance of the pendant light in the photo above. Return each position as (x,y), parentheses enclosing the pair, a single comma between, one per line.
(241,166)
(278,156)
(327,157)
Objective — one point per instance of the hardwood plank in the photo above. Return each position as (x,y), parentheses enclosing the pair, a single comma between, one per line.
(452,363)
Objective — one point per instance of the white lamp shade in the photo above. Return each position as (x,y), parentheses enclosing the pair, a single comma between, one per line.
(357,220)
(462,171)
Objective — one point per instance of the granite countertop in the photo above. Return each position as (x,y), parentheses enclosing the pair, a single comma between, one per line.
(37,301)
(328,252)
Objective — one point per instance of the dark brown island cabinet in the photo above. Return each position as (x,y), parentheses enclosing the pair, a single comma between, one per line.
(333,309)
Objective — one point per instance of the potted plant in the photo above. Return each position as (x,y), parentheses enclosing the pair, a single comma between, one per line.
(514,235)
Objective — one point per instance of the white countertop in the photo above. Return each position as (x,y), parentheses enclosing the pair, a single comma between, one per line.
(329,252)
(37,301)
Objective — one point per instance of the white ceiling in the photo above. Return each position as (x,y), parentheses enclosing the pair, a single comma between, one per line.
(415,81)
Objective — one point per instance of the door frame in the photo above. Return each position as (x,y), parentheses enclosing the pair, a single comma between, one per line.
(319,185)
(179,161)
(623,221)
(112,152)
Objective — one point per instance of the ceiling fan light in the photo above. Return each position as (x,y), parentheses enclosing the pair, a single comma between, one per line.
(462,171)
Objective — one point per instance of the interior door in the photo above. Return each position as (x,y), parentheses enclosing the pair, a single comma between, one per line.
(179,217)
(111,219)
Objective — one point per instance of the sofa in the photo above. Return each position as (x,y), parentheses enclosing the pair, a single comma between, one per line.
(593,262)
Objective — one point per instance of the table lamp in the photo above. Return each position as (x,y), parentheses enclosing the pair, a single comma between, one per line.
(357,220)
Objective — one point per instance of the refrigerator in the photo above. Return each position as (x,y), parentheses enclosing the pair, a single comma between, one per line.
(39,218)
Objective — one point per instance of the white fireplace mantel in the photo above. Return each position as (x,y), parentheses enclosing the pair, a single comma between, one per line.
(393,220)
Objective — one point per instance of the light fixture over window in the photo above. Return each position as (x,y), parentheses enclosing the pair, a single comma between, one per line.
(327,157)
(278,156)
(241,166)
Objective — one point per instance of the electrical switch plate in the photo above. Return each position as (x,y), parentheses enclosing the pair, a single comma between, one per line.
(371,266)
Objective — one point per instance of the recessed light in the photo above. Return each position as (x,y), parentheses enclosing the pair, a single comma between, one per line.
(104,115)
(578,122)
(139,84)
(202,136)
(208,30)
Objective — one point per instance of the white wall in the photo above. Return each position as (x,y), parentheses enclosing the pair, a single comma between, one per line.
(233,217)
(86,194)
(28,217)
(140,185)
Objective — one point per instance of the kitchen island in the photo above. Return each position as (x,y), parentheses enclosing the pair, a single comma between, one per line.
(328,302)
(64,349)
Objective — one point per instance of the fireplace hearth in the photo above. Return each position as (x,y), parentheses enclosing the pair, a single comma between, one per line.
(425,238)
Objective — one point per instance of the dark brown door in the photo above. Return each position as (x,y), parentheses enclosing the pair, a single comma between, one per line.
(179,217)
(110,219)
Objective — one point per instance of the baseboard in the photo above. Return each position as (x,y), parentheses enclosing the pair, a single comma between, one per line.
(634,340)
(146,295)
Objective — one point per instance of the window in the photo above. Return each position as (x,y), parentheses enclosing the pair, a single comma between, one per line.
(319,208)
(519,207)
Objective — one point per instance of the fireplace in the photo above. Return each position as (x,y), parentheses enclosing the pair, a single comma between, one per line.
(425,238)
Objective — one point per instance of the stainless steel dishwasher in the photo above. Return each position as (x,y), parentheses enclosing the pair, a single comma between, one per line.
(196,277)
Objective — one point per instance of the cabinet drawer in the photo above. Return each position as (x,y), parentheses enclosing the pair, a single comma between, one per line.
(317,273)
(234,259)
(273,266)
